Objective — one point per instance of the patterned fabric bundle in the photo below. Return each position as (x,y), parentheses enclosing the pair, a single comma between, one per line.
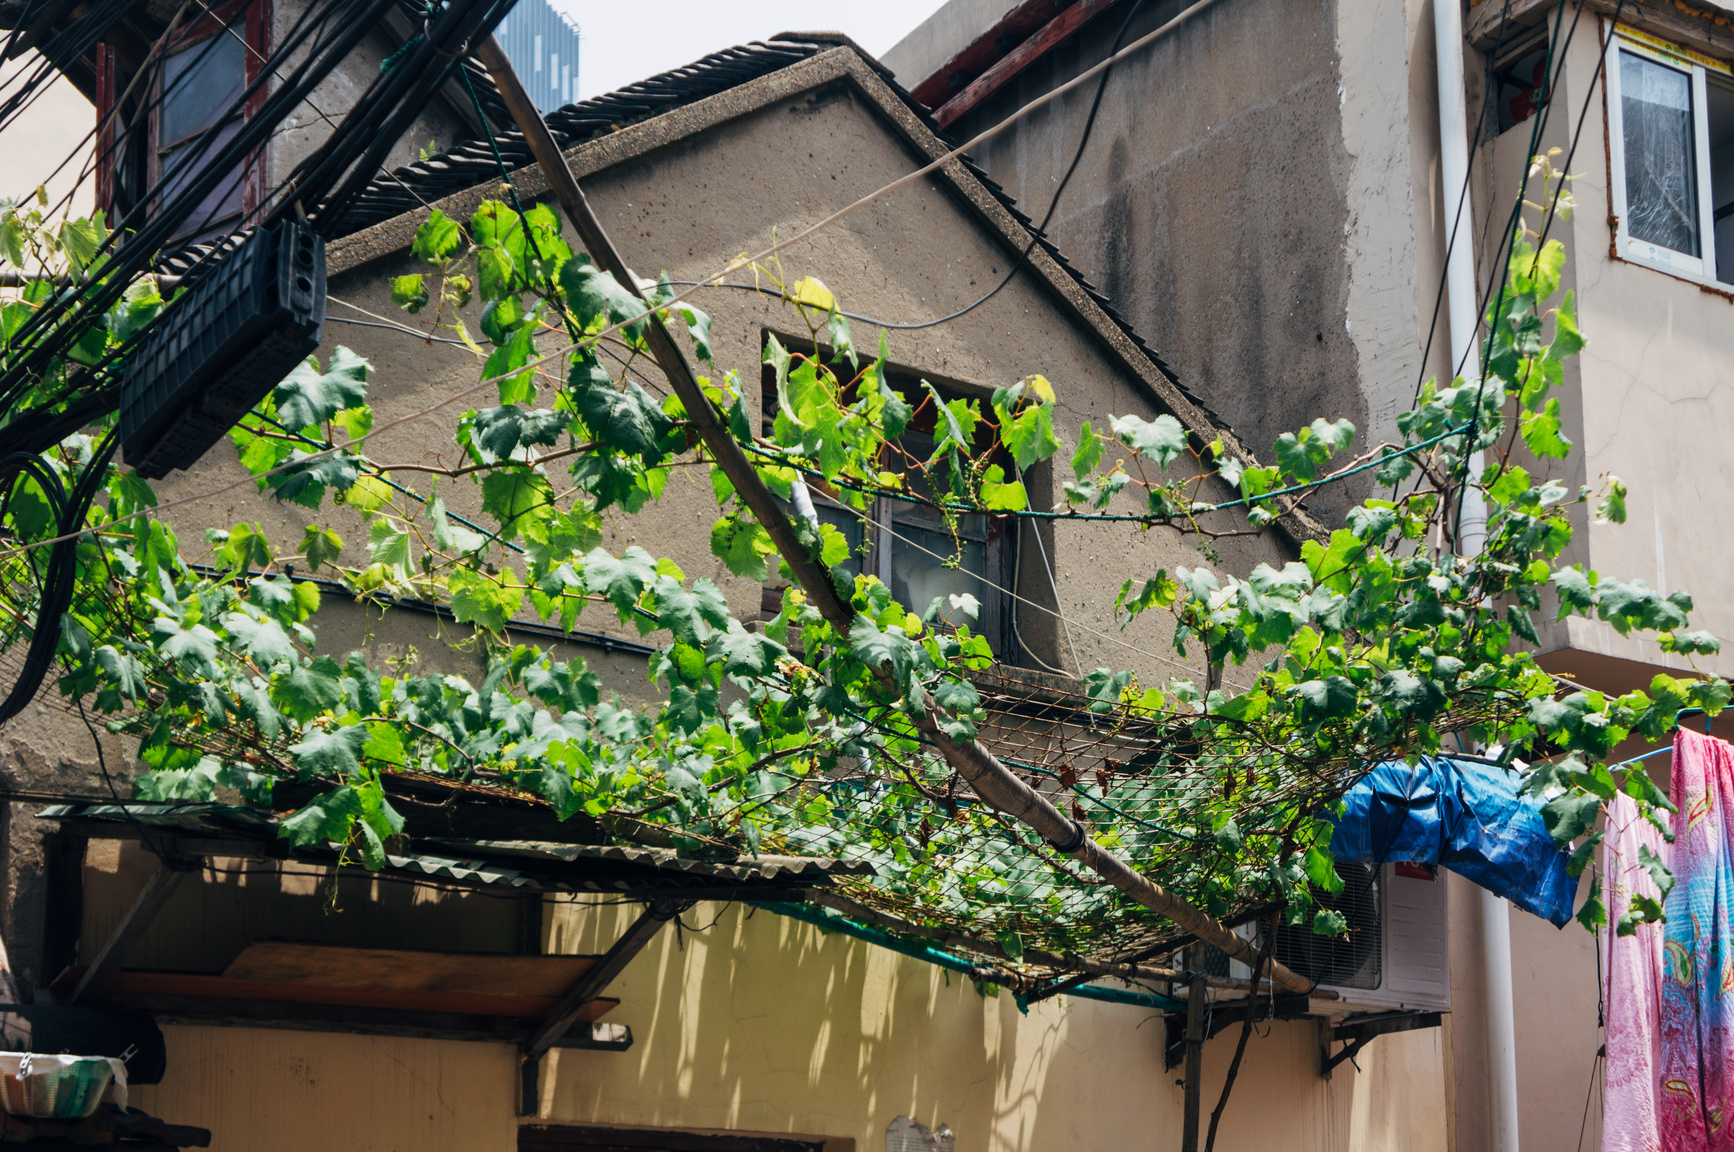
(1697,1041)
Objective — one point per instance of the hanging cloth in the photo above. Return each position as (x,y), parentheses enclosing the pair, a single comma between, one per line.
(1697,1050)
(1631,986)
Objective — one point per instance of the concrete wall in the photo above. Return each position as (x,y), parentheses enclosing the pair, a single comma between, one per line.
(1259,206)
(688,208)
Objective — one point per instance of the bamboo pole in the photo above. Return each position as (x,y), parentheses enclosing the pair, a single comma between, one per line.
(993,781)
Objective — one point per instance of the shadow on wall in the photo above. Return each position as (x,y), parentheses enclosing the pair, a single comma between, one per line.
(760,1023)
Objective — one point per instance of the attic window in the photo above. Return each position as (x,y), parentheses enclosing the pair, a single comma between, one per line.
(1671,146)
(910,547)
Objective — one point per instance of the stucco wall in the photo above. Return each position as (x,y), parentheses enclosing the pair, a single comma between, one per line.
(766,1024)
(691,206)
(1211,209)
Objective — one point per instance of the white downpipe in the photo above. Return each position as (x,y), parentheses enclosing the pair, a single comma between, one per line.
(1464,320)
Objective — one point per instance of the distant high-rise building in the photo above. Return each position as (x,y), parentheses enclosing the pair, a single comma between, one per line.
(543,46)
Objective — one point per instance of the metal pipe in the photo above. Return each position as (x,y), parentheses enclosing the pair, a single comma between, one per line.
(1463,316)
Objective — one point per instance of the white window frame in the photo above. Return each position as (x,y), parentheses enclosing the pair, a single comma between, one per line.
(1701,269)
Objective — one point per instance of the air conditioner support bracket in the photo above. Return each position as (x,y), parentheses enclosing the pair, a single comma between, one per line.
(1284,1006)
(1356,1034)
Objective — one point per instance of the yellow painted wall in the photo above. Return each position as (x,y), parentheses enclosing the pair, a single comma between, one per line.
(764,1023)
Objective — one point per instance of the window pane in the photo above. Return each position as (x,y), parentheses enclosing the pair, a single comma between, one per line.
(221,202)
(1661,155)
(200,82)
(918,576)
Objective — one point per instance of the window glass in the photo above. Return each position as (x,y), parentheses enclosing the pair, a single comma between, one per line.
(1720,114)
(200,83)
(1661,154)
(927,559)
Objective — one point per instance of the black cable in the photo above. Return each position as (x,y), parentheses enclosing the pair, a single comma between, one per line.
(1037,234)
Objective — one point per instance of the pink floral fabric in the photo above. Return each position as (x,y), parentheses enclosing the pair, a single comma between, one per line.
(1631,987)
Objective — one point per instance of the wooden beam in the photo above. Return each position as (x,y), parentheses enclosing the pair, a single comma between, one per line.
(992,781)
(1196,1007)
(1014,62)
(145,906)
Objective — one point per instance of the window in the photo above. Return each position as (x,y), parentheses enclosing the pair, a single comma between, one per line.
(1671,147)
(910,547)
(184,116)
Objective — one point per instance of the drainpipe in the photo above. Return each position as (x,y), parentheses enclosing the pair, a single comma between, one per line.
(1464,320)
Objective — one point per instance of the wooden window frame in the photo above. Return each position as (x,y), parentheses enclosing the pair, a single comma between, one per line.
(997,620)
(256,15)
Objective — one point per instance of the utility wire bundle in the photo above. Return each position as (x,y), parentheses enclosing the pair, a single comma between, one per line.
(47,395)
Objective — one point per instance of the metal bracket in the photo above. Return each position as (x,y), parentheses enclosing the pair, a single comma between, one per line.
(590,985)
(1357,1034)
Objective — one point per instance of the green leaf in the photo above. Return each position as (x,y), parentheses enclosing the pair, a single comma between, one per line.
(999,496)
(594,295)
(1161,439)
(328,818)
(1594,913)
(264,641)
(331,754)
(480,599)
(690,615)
(1330,922)
(507,366)
(307,397)
(891,648)
(619,581)
(627,419)
(1029,436)
(500,432)
(308,689)
(1089,453)
(1541,431)
(744,545)
(409,292)
(438,239)
(512,493)
(1321,870)
(1332,698)
(320,546)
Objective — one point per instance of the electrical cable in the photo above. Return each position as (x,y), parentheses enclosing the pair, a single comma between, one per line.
(1040,230)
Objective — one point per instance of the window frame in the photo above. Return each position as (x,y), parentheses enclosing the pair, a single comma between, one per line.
(253,19)
(1002,537)
(1698,269)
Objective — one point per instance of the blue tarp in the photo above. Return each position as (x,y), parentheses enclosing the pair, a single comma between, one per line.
(1466,817)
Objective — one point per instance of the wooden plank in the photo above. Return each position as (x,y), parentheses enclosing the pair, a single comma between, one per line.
(63,913)
(150,900)
(577,1001)
(1018,59)
(599,1138)
(599,1035)
(199,985)
(333,965)
(981,53)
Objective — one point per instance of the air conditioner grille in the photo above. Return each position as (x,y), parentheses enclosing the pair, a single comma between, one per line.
(1355,960)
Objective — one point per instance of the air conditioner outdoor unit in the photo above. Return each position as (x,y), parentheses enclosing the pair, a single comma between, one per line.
(1397,952)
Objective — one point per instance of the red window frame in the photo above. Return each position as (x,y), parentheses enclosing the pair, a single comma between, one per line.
(253,19)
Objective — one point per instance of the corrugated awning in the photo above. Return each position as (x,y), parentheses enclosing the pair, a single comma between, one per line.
(199,830)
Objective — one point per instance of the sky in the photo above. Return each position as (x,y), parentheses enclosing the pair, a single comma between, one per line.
(624,42)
